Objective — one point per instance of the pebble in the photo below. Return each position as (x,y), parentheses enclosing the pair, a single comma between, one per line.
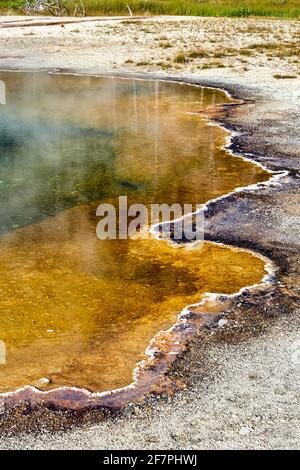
(42,382)
(245,430)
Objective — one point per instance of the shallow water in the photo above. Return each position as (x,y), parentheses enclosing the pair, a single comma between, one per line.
(74,309)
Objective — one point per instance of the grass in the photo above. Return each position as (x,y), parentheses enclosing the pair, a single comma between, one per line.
(198,54)
(280,76)
(231,8)
(11,5)
(165,45)
(180,58)
(213,65)
(143,63)
(281,50)
(284,50)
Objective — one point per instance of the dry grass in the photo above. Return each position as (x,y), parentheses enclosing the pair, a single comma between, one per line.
(180,58)
(280,49)
(198,54)
(280,76)
(213,65)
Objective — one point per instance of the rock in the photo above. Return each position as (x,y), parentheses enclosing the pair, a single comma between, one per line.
(42,382)
(245,430)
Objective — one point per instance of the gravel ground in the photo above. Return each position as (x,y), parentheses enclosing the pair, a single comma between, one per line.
(243,379)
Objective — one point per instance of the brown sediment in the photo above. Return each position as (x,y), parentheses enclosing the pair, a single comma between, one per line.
(150,375)
(99,327)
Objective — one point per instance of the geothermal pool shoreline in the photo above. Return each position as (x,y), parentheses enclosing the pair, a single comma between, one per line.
(151,374)
(238,361)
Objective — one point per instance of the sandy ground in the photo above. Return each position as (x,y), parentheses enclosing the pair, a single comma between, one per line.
(243,379)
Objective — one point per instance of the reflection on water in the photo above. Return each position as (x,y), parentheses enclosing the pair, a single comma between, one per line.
(75,309)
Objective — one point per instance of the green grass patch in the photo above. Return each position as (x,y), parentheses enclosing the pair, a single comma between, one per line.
(231,8)
(11,6)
